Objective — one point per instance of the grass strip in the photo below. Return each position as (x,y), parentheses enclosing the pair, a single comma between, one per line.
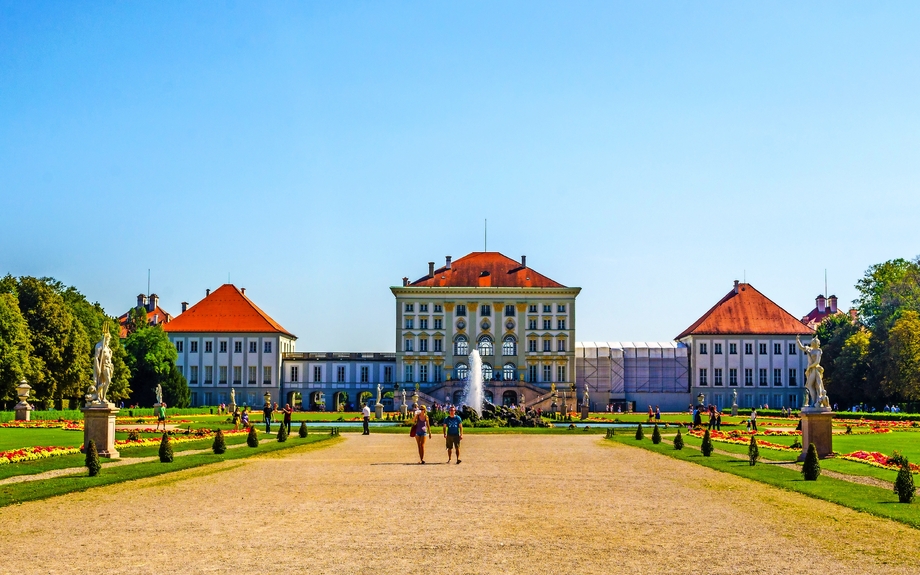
(865,498)
(30,491)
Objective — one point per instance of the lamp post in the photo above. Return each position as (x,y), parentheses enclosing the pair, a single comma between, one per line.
(23,409)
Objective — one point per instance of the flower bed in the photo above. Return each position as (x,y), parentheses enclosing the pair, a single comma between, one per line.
(876,459)
(741,438)
(68,424)
(33,453)
(197,435)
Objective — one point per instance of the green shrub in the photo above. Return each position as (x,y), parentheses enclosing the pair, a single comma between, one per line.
(903,485)
(639,433)
(753,451)
(92,459)
(707,447)
(896,458)
(656,435)
(166,451)
(679,440)
(811,469)
(796,444)
(220,445)
(282,433)
(302,432)
(133,435)
(252,440)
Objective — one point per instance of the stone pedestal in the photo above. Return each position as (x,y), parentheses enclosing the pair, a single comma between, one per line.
(23,412)
(99,426)
(734,411)
(584,412)
(554,409)
(378,411)
(565,409)
(404,409)
(817,429)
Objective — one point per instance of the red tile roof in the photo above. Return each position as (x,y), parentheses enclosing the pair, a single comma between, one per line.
(225,310)
(158,314)
(486,269)
(746,312)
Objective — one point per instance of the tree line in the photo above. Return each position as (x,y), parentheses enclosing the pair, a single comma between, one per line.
(876,358)
(48,333)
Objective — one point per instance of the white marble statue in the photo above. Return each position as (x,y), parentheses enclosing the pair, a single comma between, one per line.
(159,393)
(379,396)
(232,398)
(103,368)
(814,374)
(404,397)
(584,397)
(734,398)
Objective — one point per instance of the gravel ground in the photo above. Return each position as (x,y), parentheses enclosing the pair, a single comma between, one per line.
(517,504)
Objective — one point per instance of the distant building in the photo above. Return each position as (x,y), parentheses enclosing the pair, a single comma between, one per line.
(825,308)
(324,381)
(226,342)
(746,343)
(155,314)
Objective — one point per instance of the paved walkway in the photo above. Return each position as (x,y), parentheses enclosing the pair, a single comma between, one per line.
(517,504)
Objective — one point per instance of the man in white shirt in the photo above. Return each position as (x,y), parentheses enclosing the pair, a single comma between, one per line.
(366,412)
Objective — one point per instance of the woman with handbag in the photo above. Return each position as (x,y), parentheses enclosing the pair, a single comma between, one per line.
(421,429)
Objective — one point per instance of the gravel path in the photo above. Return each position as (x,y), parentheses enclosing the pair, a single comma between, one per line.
(517,504)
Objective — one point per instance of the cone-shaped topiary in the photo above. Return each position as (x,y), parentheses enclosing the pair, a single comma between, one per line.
(220,445)
(811,469)
(252,440)
(679,440)
(166,452)
(639,433)
(282,433)
(302,432)
(706,447)
(92,459)
(903,485)
(656,435)
(753,451)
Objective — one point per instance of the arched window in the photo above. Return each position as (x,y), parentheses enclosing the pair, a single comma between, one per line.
(461,345)
(486,347)
(462,371)
(486,372)
(489,397)
(509,372)
(508,346)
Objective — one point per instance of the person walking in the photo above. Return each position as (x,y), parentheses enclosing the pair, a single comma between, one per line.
(754,420)
(287,417)
(244,418)
(651,414)
(161,416)
(453,432)
(366,413)
(422,426)
(236,418)
(267,412)
(657,414)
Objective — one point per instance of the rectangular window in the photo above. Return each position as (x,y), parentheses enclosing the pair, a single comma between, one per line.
(238,375)
(560,324)
(194,399)
(252,347)
(560,345)
(547,373)
(267,347)
(531,345)
(423,323)
(237,347)
(340,374)
(266,376)
(193,346)
(409,373)
(547,324)
(791,349)
(423,344)
(748,376)
(762,379)
(532,324)
(408,346)
(423,373)
(560,308)
(439,345)
(703,350)
(438,308)
(438,323)
(485,310)
(792,373)
(717,348)
(222,380)
(410,323)
(317,373)
(179,346)
(208,347)
(410,307)
(703,374)
(509,310)
(252,375)
(295,373)
(423,308)
(461,310)
(207,398)
(777,376)
(749,349)
(532,373)
(733,376)
(387,374)
(223,347)
(193,375)
(532,308)
(560,373)
(547,345)
(365,374)
(763,349)
(717,376)
(547,308)
(438,374)
(209,375)
(733,349)
(777,349)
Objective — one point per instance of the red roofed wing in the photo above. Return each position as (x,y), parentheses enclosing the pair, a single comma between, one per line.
(502,271)
(746,312)
(226,310)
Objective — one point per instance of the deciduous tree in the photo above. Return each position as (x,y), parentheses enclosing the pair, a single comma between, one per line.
(15,348)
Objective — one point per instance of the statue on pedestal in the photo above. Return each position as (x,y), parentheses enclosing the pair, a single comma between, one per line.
(379,396)
(159,393)
(103,369)
(232,399)
(734,398)
(814,374)
(584,397)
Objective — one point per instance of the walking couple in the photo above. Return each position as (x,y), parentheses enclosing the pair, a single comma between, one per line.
(453,432)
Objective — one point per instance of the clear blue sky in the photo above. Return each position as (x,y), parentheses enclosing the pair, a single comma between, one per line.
(648,152)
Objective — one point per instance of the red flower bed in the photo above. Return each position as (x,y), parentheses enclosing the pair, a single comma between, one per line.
(33,453)
(740,438)
(67,424)
(877,459)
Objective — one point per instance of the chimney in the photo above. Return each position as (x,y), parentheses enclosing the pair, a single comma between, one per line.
(523,261)
(854,314)
(485,279)
(737,289)
(431,269)
(153,302)
(832,303)
(243,291)
(405,282)
(184,306)
(821,303)
(155,318)
(447,265)
(207,292)
(142,301)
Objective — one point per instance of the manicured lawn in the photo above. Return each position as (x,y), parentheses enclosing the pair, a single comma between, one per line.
(11,438)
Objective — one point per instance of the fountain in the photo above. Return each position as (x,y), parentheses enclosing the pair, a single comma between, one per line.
(472,393)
